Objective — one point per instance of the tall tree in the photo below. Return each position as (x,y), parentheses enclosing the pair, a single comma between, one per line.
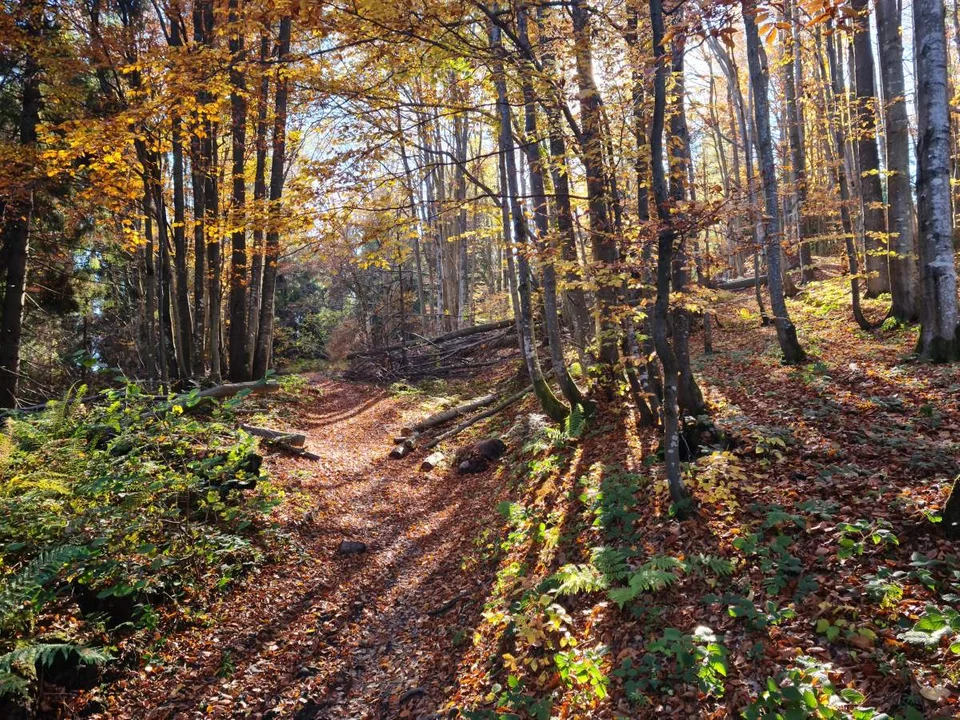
(939,333)
(759,74)
(264,350)
(865,128)
(18,207)
(900,210)
(239,365)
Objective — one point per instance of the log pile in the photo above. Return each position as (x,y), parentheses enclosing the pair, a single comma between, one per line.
(455,353)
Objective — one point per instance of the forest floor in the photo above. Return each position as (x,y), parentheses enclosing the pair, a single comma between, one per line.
(817,552)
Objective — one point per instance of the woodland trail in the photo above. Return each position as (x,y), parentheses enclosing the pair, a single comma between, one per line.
(324,635)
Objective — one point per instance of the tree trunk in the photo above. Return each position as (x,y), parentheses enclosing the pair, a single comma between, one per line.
(263,354)
(603,244)
(939,337)
(16,230)
(551,405)
(665,240)
(184,318)
(874,219)
(239,365)
(532,151)
(259,194)
(759,73)
(793,82)
(903,266)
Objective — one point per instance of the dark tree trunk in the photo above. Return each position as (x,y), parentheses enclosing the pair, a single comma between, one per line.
(665,242)
(239,365)
(18,211)
(263,354)
(532,151)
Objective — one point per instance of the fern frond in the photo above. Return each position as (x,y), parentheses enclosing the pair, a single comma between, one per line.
(716,565)
(576,579)
(25,585)
(28,659)
(11,684)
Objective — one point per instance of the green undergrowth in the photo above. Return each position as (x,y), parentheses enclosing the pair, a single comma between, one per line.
(603,604)
(118,520)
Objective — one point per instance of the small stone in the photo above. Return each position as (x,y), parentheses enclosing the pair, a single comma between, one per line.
(351,547)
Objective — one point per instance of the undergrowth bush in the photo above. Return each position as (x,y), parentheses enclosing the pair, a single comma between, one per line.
(110,510)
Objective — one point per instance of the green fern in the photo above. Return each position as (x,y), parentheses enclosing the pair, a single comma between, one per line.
(652,576)
(13,685)
(27,660)
(27,584)
(576,579)
(716,565)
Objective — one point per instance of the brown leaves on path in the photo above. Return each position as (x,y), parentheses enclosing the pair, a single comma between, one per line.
(327,635)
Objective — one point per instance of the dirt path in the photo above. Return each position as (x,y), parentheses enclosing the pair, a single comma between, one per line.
(323,635)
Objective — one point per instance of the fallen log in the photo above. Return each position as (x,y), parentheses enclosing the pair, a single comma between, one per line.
(404,448)
(217,392)
(742,283)
(432,461)
(477,418)
(290,438)
(464,332)
(450,413)
(290,449)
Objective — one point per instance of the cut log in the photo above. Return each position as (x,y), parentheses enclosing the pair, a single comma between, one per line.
(405,448)
(477,418)
(289,438)
(432,461)
(742,283)
(465,332)
(451,413)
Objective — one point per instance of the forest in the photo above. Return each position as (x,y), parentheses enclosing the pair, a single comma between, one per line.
(480,359)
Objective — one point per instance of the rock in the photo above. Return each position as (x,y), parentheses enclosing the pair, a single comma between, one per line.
(351,547)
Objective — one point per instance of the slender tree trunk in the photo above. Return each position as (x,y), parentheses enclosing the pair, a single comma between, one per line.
(184,319)
(200,315)
(532,151)
(548,401)
(759,73)
(903,267)
(259,195)
(847,223)
(665,242)
(939,332)
(239,365)
(798,164)
(603,244)
(874,219)
(575,300)
(19,217)
(264,350)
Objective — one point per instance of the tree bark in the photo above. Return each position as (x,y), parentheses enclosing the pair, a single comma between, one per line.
(239,365)
(939,336)
(865,126)
(19,217)
(759,73)
(259,194)
(603,244)
(263,354)
(900,209)
(665,240)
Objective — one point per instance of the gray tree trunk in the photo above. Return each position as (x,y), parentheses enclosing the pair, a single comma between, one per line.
(865,124)
(759,74)
(939,338)
(900,222)
(239,365)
